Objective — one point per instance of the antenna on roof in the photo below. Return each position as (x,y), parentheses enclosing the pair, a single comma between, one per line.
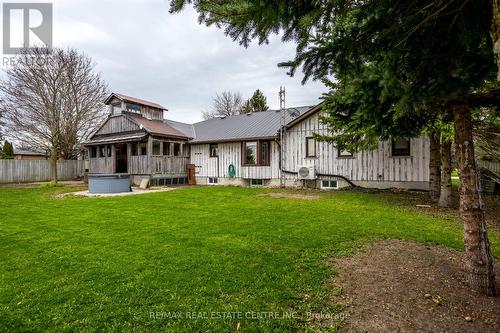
(282,134)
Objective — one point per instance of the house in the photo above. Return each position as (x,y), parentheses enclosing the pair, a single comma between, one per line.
(270,148)
(29,154)
(136,140)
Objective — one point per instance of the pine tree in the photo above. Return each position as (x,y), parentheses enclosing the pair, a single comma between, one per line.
(395,64)
(7,150)
(256,103)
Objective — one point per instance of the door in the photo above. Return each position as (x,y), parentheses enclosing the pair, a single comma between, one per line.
(191,171)
(121,158)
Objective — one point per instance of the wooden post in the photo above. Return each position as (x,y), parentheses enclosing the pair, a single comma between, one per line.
(150,152)
(113,159)
(129,155)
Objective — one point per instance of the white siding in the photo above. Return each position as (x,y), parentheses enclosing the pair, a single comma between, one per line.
(370,166)
(230,153)
(373,165)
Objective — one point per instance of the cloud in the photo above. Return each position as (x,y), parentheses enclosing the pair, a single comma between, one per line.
(142,50)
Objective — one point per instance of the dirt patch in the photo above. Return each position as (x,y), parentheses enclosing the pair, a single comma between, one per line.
(401,286)
(291,195)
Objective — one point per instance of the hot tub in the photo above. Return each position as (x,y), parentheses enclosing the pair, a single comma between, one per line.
(109,183)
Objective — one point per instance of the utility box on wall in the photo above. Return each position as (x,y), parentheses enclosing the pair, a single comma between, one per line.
(306,172)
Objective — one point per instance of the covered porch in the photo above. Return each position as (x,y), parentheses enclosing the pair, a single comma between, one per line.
(140,156)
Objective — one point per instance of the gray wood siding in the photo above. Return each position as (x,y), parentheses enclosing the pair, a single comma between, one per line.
(102,165)
(373,165)
(230,153)
(138,165)
(169,164)
(117,124)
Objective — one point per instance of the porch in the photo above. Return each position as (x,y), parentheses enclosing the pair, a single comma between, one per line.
(151,157)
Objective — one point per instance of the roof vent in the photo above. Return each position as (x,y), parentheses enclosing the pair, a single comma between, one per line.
(249,113)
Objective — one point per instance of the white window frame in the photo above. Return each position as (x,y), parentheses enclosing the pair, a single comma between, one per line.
(256,185)
(329,183)
(309,153)
(213,181)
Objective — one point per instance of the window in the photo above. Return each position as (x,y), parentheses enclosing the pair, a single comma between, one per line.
(166,149)
(400,147)
(264,152)
(310,147)
(133,108)
(256,152)
(102,151)
(93,152)
(134,149)
(214,150)
(329,184)
(256,182)
(177,149)
(250,153)
(186,149)
(213,181)
(116,109)
(143,148)
(344,153)
(156,147)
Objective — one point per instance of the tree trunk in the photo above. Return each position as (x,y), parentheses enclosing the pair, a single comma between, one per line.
(495,34)
(478,260)
(445,197)
(53,165)
(435,167)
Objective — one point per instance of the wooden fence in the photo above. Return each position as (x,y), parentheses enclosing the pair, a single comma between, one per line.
(24,171)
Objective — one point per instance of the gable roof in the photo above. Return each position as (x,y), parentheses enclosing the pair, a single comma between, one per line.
(134,100)
(144,127)
(157,127)
(256,125)
(304,115)
(29,151)
(186,129)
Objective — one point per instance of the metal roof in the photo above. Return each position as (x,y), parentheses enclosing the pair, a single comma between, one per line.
(186,129)
(135,100)
(158,127)
(29,151)
(257,125)
(254,125)
(116,138)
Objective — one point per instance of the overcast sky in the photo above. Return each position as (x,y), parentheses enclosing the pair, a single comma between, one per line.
(144,51)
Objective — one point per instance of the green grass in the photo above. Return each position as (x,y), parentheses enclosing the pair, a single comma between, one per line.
(104,264)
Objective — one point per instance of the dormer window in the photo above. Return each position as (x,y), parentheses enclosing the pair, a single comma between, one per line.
(133,108)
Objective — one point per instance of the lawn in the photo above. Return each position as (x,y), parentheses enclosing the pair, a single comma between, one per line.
(197,258)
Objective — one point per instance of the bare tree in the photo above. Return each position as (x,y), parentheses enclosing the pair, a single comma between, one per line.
(52,101)
(225,104)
